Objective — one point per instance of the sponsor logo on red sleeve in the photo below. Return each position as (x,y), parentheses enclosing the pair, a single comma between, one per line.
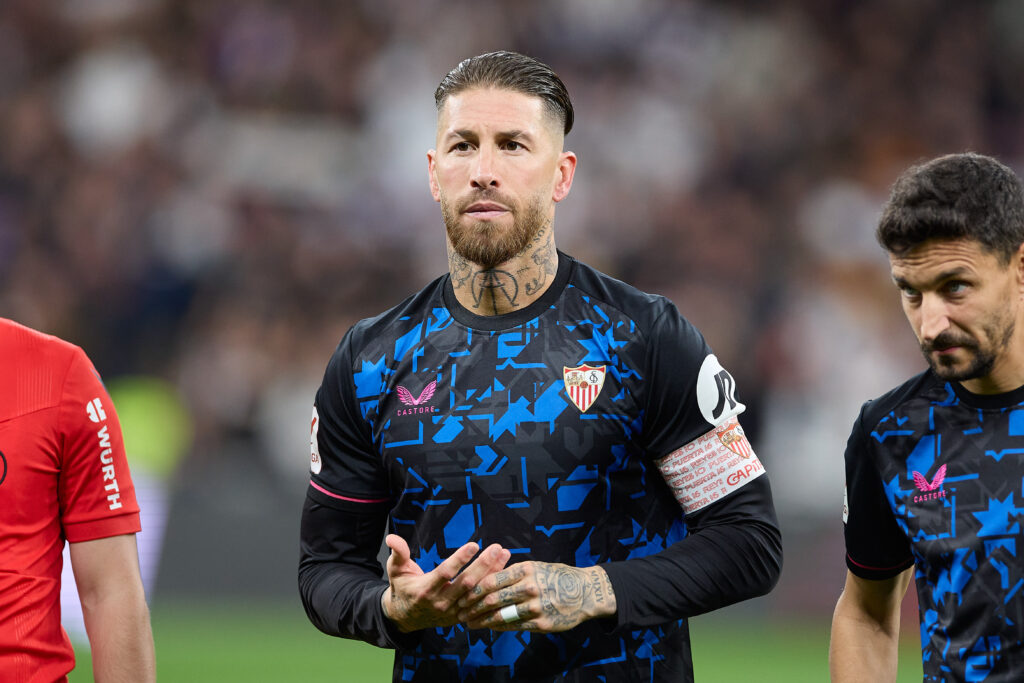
(94,409)
(107,463)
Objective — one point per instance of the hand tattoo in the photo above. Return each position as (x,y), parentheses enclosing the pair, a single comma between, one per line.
(569,595)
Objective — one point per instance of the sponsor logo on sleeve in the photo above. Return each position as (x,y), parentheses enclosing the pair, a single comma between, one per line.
(315,464)
(94,409)
(107,465)
(716,392)
(583,384)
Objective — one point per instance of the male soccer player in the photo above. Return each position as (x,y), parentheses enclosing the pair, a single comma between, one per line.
(556,454)
(63,476)
(934,468)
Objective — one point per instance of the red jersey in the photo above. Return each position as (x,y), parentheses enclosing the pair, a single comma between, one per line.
(63,476)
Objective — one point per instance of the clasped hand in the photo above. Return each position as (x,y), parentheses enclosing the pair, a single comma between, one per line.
(534,596)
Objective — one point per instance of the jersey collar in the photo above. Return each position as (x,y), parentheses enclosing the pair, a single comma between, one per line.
(988,401)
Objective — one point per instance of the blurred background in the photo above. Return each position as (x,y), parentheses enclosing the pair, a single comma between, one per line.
(205,194)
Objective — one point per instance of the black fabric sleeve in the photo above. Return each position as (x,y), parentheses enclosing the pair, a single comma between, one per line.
(875,546)
(676,355)
(733,552)
(349,463)
(733,547)
(340,578)
(345,513)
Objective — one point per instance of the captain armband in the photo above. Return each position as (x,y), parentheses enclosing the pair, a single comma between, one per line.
(711,466)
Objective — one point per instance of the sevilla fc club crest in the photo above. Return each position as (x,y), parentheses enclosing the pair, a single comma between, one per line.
(583,384)
(733,438)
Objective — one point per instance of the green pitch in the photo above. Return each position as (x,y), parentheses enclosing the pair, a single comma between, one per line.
(271,643)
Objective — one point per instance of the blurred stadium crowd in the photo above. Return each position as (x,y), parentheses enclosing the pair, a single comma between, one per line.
(209,192)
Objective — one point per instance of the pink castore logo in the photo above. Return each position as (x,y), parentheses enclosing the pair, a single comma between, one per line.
(931,489)
(406,397)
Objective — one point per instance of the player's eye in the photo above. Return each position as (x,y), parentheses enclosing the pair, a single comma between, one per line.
(956,286)
(461,147)
(513,146)
(909,292)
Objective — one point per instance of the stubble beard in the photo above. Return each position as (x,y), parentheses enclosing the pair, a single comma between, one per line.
(485,243)
(983,359)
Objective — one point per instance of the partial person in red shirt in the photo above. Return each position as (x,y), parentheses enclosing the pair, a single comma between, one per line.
(64,477)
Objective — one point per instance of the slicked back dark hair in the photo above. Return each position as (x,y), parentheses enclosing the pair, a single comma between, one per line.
(510,71)
(958,196)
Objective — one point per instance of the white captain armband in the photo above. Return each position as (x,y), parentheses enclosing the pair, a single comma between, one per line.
(711,466)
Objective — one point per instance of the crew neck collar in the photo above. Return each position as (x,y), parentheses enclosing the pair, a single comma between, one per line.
(988,401)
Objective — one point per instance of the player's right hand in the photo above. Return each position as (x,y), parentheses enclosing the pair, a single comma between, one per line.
(417,600)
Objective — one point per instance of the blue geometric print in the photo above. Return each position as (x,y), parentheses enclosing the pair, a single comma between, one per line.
(497,450)
(964,528)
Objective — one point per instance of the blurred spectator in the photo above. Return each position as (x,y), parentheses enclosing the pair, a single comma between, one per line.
(210,192)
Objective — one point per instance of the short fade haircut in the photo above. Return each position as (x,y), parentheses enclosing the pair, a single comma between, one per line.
(510,71)
(957,196)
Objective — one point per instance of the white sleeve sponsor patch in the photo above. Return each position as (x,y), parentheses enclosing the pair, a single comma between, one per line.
(711,466)
(716,392)
(314,444)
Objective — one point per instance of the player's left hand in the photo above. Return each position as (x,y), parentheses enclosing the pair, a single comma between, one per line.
(538,596)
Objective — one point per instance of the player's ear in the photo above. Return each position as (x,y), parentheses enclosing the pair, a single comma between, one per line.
(435,191)
(1017,263)
(564,172)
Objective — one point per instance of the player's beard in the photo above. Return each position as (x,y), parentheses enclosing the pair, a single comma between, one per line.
(999,332)
(486,243)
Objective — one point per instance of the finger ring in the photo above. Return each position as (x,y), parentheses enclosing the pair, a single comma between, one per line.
(509,614)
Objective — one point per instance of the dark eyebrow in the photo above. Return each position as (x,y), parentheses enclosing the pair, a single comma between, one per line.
(471,136)
(945,275)
(463,133)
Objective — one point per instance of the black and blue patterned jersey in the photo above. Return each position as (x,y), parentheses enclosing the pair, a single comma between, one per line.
(935,480)
(541,430)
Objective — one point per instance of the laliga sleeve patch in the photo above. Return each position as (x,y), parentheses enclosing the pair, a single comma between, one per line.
(314,444)
(710,467)
(716,392)
(846,506)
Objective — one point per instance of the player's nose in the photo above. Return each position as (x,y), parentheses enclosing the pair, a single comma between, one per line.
(484,174)
(934,317)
